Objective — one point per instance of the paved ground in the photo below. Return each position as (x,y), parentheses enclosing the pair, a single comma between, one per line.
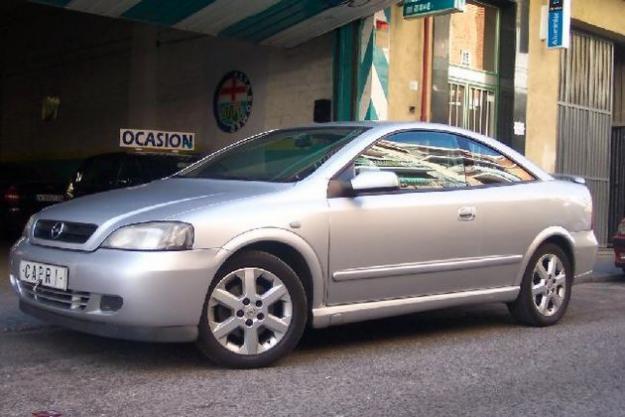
(465,361)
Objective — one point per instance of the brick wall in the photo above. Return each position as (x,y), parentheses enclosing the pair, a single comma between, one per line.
(296,78)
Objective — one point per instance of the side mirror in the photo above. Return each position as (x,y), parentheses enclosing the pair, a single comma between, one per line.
(371,181)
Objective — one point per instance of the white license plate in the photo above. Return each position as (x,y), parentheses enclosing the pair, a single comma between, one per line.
(49,198)
(44,274)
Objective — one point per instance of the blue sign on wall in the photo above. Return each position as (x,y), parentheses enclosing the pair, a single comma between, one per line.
(559,24)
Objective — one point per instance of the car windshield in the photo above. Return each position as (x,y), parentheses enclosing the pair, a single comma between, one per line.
(279,156)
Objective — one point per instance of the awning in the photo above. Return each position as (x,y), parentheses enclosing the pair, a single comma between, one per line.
(284,23)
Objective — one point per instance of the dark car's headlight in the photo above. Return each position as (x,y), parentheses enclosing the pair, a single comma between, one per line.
(152,236)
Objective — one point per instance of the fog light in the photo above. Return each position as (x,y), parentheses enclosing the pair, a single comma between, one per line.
(111,303)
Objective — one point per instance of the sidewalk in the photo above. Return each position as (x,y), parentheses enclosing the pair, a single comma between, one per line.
(604,269)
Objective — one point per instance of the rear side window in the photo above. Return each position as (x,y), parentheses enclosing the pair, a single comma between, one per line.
(422,160)
(485,166)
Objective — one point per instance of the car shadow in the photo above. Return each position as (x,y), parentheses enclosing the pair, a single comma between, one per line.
(428,327)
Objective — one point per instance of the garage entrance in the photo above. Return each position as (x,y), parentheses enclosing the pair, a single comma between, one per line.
(617,165)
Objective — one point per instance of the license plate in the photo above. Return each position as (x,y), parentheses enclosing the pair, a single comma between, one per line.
(44,274)
(49,198)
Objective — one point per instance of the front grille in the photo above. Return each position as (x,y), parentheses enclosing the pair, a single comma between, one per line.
(68,300)
(64,231)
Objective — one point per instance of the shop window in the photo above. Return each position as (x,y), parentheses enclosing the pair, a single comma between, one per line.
(473,79)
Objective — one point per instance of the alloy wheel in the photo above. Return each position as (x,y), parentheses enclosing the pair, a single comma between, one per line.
(249,311)
(549,284)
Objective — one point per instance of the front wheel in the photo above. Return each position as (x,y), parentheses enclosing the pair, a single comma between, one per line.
(254,312)
(546,288)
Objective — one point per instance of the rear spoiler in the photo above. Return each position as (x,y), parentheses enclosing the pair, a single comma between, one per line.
(571,178)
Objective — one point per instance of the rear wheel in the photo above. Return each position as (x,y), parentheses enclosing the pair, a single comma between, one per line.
(546,288)
(254,312)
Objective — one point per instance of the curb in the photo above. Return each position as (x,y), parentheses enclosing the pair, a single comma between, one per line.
(602,277)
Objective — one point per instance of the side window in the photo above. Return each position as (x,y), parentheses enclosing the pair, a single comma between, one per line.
(484,166)
(100,171)
(130,172)
(421,160)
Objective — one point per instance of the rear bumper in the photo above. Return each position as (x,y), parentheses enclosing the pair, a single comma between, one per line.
(162,293)
(585,252)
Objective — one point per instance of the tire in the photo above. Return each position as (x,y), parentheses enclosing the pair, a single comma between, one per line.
(544,296)
(232,320)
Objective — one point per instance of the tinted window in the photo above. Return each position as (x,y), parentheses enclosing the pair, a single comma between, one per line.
(99,171)
(280,156)
(131,172)
(421,160)
(484,165)
(160,166)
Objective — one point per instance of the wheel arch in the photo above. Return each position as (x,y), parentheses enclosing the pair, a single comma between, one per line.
(556,235)
(290,248)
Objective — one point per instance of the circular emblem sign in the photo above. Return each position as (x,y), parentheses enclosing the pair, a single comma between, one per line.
(233,101)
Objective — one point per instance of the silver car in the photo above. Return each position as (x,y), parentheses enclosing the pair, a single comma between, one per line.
(319,225)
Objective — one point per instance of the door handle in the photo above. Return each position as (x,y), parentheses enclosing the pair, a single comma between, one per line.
(466,214)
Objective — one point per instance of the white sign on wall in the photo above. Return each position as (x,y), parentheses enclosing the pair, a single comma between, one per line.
(156,139)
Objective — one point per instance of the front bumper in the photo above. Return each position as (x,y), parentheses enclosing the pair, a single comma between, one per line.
(162,292)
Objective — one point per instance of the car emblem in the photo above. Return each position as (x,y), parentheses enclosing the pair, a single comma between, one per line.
(57,230)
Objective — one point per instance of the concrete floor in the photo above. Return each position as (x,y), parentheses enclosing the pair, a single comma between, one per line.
(463,361)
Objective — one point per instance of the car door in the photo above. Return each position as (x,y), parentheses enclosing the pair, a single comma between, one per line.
(421,239)
(510,203)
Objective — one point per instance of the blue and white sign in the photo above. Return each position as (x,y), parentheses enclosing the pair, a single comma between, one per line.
(559,24)
(155,139)
(232,103)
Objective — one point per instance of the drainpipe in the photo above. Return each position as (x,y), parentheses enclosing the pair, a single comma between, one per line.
(425,78)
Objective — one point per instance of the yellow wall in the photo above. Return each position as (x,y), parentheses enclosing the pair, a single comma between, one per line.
(604,14)
(542,97)
(406,65)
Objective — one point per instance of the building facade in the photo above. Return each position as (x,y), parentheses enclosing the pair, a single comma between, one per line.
(488,69)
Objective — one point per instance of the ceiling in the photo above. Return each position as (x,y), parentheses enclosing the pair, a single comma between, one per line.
(282,23)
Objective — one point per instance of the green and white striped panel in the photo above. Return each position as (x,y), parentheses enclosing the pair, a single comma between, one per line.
(373,67)
(283,23)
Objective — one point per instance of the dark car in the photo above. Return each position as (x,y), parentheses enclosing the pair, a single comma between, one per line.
(123,169)
(25,189)
(619,246)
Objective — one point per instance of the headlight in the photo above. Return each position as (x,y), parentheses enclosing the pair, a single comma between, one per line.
(621,228)
(152,236)
(28,227)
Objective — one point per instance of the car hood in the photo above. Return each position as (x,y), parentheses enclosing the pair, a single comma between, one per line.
(158,200)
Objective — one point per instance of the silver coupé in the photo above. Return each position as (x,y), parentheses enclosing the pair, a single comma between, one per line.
(319,225)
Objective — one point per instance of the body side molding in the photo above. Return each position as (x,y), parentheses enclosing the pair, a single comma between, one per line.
(425,267)
(349,313)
